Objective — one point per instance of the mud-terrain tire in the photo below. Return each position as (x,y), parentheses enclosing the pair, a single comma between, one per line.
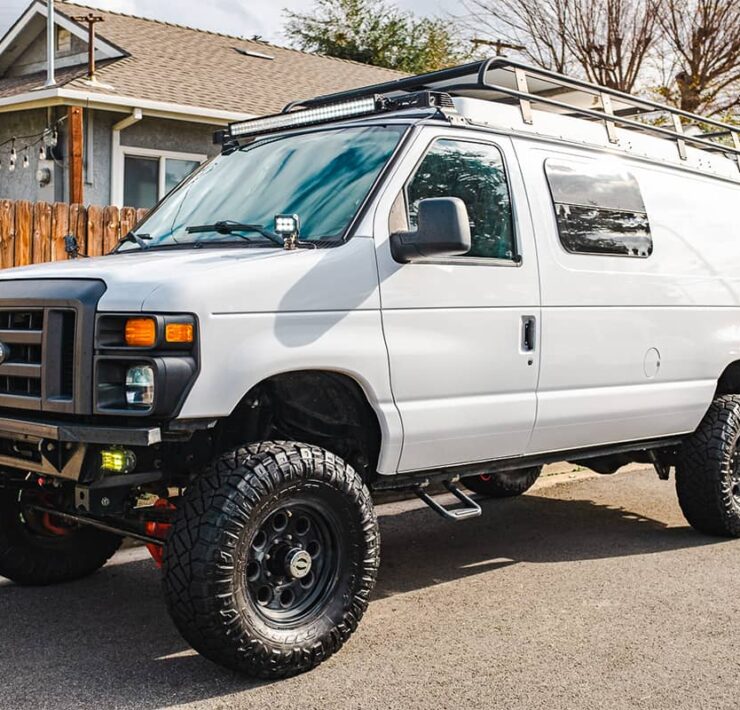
(256,519)
(37,550)
(708,471)
(503,484)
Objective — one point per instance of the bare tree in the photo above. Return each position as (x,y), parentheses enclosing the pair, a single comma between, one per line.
(606,41)
(702,54)
(539,26)
(612,39)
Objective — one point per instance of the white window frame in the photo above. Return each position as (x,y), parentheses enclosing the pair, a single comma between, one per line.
(125,151)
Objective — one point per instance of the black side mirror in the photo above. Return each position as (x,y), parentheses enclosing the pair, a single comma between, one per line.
(444,230)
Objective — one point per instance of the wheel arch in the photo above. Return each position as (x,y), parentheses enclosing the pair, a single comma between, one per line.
(729,380)
(329,408)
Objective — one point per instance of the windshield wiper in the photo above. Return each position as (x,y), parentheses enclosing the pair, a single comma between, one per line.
(136,239)
(229,227)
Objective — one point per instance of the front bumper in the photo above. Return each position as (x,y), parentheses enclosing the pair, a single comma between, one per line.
(58,448)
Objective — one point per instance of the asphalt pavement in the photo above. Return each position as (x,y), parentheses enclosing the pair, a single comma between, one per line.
(590,593)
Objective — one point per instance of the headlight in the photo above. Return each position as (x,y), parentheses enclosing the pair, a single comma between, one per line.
(140,386)
(144,364)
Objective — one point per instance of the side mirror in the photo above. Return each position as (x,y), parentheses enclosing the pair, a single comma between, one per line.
(444,230)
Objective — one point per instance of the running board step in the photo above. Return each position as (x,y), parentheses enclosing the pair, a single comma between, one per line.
(470,508)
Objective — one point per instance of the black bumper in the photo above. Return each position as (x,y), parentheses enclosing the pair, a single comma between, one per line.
(58,449)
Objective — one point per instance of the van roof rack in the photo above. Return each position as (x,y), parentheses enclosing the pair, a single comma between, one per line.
(504,80)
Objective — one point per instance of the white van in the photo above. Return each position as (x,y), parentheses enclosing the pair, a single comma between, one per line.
(455,277)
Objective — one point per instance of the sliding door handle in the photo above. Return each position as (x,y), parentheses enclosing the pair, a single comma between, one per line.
(529,331)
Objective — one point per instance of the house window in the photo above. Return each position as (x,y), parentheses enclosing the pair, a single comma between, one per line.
(599,209)
(149,175)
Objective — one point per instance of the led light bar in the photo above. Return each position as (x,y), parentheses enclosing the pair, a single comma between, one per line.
(305,117)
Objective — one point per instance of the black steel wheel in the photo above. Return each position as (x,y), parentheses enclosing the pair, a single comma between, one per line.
(271,559)
(292,561)
(38,549)
(708,471)
(503,484)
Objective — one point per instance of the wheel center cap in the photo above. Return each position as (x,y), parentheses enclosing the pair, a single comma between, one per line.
(298,563)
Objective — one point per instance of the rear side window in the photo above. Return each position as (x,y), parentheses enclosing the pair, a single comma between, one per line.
(475,173)
(599,208)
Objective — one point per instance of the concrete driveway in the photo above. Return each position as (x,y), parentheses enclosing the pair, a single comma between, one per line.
(591,593)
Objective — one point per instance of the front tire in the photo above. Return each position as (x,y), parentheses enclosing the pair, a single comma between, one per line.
(271,559)
(708,471)
(37,549)
(503,484)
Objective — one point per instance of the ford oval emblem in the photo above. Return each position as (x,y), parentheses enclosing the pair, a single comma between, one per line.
(4,352)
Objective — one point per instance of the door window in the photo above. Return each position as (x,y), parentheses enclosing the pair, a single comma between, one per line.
(475,173)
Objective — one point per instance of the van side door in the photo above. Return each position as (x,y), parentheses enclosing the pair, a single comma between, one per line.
(462,333)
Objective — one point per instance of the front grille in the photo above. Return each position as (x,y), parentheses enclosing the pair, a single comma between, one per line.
(47,329)
(22,334)
(38,371)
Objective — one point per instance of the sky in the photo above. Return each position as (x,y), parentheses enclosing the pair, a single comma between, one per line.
(238,17)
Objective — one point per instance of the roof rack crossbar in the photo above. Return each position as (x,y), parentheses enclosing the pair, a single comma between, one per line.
(605,96)
(677,133)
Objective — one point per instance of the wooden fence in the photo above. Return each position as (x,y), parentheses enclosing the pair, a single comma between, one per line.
(33,232)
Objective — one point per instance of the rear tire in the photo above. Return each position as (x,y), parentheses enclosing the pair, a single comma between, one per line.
(503,484)
(37,549)
(271,559)
(708,471)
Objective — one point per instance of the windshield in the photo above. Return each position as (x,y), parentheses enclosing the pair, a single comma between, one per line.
(322,176)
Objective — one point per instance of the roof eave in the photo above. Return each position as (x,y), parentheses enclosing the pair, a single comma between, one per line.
(89,99)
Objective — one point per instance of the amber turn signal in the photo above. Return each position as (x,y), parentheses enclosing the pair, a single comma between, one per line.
(141,332)
(178,333)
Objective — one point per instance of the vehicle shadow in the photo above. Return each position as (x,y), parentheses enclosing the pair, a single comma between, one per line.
(107,641)
(418,552)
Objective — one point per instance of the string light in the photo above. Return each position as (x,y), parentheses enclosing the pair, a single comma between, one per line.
(45,140)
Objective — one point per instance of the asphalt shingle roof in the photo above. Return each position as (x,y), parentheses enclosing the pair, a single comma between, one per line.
(192,67)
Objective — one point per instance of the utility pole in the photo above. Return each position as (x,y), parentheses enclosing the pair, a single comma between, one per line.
(499,44)
(91,21)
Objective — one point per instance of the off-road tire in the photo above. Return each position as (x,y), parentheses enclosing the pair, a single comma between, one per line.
(31,557)
(503,484)
(707,463)
(215,532)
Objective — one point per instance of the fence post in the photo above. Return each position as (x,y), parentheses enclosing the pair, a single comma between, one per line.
(7,234)
(23,232)
(111,228)
(40,251)
(78,225)
(59,230)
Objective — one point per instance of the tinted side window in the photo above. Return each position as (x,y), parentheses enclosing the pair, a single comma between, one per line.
(599,208)
(475,173)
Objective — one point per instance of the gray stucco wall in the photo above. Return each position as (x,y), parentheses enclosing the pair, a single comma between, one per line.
(163,134)
(21,184)
(150,133)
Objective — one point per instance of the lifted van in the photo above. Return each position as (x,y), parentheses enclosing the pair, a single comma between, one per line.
(452,278)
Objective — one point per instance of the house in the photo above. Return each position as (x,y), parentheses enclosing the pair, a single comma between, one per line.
(145,118)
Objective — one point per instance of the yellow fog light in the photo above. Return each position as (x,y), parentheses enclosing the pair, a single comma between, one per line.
(117,460)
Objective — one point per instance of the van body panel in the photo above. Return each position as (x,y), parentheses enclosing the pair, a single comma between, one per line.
(463,385)
(632,348)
